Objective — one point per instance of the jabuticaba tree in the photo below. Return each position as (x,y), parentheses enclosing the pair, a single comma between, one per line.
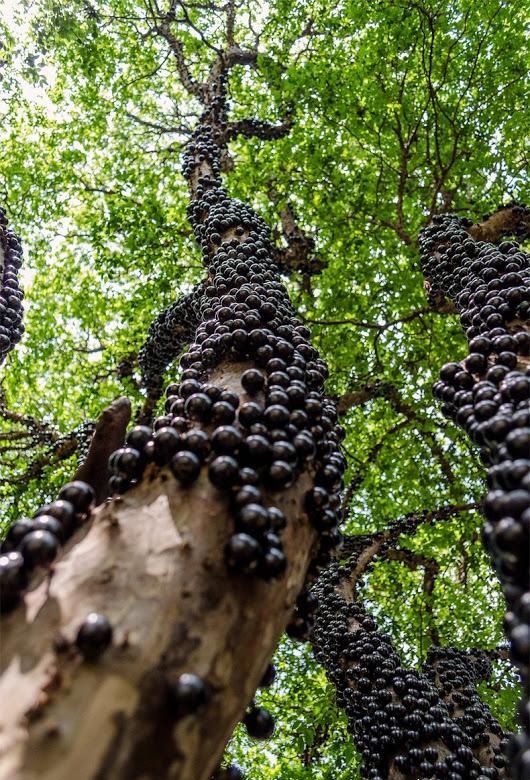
(405,723)
(175,326)
(148,623)
(11,327)
(168,335)
(487,277)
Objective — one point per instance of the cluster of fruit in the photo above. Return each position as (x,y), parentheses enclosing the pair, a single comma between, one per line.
(488,395)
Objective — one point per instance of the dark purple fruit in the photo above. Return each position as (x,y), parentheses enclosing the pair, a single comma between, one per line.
(39,548)
(187,694)
(16,533)
(223,471)
(79,494)
(186,466)
(62,510)
(94,636)
(166,442)
(242,552)
(138,437)
(13,579)
(252,381)
(259,723)
(49,523)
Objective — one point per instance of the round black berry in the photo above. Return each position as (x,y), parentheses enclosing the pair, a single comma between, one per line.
(259,723)
(39,548)
(79,494)
(94,636)
(186,466)
(187,694)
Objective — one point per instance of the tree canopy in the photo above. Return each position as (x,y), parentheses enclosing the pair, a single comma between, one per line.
(399,111)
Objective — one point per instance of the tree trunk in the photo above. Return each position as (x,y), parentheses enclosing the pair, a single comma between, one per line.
(488,394)
(152,562)
(402,725)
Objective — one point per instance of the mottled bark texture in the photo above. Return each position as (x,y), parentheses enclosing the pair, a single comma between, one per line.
(152,560)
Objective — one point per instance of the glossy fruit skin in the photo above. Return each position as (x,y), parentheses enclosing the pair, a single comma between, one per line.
(13,579)
(259,723)
(94,636)
(252,381)
(253,519)
(243,552)
(64,512)
(49,523)
(16,533)
(273,563)
(226,439)
(126,462)
(39,548)
(186,466)
(223,471)
(79,494)
(197,441)
(138,437)
(187,694)
(166,443)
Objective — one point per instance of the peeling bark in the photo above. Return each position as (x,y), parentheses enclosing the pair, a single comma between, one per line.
(108,436)
(152,562)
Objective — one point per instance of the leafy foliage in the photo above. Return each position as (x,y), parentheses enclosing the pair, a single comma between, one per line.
(401,110)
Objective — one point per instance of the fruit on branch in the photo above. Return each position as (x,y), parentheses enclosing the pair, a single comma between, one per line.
(281,424)
(488,395)
(33,544)
(94,636)
(11,327)
(259,723)
(400,722)
(457,673)
(170,332)
(13,579)
(187,694)
(246,432)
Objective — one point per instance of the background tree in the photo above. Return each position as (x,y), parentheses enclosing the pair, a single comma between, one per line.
(368,161)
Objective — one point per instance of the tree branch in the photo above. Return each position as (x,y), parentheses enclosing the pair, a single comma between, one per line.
(382,326)
(361,662)
(109,436)
(512,219)
(256,128)
(195,88)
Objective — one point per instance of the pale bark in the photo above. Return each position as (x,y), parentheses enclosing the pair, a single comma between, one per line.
(152,562)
